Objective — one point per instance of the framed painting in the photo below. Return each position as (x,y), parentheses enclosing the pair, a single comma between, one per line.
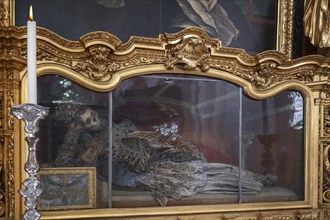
(254,25)
(67,188)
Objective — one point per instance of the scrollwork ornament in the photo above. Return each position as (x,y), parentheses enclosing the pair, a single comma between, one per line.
(97,65)
(327,121)
(326,179)
(192,52)
(31,114)
(11,177)
(326,196)
(276,218)
(308,216)
(266,72)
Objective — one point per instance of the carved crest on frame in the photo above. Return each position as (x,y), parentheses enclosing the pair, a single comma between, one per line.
(191,48)
(192,52)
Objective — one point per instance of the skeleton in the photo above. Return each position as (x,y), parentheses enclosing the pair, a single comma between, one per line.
(88,120)
(171,167)
(149,160)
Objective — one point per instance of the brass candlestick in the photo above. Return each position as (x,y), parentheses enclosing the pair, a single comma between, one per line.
(31,114)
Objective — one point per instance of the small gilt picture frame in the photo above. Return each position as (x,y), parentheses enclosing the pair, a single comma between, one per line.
(67,188)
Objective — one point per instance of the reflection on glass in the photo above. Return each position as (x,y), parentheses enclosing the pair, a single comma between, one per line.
(176,140)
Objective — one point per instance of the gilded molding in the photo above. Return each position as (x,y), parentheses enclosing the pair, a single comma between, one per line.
(10,193)
(11,157)
(4,14)
(107,38)
(306,215)
(326,213)
(99,58)
(277,218)
(326,178)
(309,216)
(11,64)
(285,27)
(2,193)
(326,126)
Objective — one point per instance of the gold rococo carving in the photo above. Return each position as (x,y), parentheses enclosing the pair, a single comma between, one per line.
(4,14)
(98,56)
(278,218)
(326,178)
(327,120)
(97,65)
(104,37)
(191,52)
(286,27)
(309,216)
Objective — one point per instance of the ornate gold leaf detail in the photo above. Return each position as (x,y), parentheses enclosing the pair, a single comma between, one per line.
(104,37)
(266,74)
(191,51)
(1,109)
(10,157)
(326,212)
(43,55)
(48,52)
(274,217)
(10,100)
(242,218)
(4,14)
(143,57)
(327,120)
(326,181)
(149,42)
(308,216)
(97,66)
(11,177)
(2,193)
(192,32)
(57,39)
(287,27)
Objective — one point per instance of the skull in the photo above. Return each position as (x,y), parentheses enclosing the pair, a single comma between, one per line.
(90,118)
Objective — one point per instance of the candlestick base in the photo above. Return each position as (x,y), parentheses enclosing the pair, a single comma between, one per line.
(31,114)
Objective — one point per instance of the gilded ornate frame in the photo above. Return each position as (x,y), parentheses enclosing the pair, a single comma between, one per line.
(104,63)
(261,76)
(99,61)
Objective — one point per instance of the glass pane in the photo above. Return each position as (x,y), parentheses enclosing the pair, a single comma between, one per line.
(168,140)
(273,140)
(188,127)
(74,134)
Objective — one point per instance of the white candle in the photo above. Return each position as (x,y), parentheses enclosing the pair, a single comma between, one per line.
(32,59)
